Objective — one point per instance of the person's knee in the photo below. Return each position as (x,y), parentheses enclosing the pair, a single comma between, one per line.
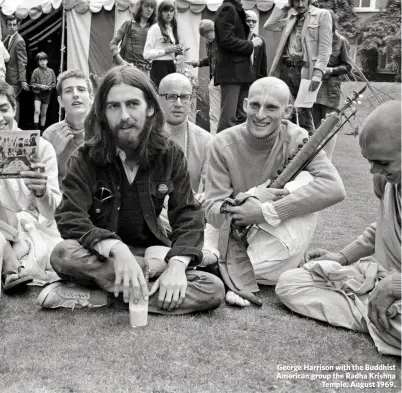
(286,283)
(62,253)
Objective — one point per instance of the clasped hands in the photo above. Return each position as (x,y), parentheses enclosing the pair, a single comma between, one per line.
(250,211)
(130,280)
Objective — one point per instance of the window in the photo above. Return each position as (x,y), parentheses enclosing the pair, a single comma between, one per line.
(365,5)
(353,54)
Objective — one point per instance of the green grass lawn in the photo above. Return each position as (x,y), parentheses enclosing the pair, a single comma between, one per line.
(226,351)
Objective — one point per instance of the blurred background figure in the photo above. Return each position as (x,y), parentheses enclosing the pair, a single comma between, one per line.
(207,31)
(163,43)
(258,61)
(329,95)
(43,80)
(132,36)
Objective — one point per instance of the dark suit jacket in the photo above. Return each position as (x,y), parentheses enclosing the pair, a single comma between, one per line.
(16,66)
(260,64)
(233,64)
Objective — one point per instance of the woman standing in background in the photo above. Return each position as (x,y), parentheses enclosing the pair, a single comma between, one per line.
(163,44)
(132,34)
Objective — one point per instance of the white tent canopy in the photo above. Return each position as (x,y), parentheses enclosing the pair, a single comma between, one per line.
(35,8)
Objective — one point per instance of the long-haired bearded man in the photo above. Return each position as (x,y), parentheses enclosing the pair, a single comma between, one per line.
(113,194)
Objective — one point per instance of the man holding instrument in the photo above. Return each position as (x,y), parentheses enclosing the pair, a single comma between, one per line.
(242,160)
(367,294)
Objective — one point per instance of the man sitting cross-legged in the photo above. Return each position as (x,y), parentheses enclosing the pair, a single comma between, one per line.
(364,296)
(113,193)
(248,155)
(74,91)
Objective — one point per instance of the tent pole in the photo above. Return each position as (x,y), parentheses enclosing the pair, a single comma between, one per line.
(63,47)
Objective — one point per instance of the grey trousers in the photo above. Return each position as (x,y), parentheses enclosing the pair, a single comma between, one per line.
(72,262)
(232,97)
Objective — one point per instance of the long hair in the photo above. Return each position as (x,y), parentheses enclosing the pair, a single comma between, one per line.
(168,5)
(99,138)
(138,11)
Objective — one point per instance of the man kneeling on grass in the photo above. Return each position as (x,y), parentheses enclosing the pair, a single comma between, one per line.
(113,193)
(363,296)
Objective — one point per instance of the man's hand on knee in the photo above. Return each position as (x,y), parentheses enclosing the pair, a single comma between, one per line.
(319,254)
(172,285)
(129,276)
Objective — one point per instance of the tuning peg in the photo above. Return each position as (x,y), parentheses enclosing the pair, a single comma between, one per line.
(279,171)
(299,146)
(359,102)
(361,96)
(305,140)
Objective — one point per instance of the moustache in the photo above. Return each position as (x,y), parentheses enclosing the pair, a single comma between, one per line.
(125,124)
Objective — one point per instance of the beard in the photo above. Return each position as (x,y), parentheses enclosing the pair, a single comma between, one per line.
(133,145)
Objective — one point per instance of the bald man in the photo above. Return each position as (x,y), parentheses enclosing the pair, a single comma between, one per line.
(362,282)
(176,95)
(242,160)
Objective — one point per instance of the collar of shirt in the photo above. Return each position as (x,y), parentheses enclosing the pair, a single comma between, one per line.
(11,38)
(130,173)
(293,12)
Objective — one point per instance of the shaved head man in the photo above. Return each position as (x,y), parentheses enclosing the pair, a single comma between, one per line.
(176,94)
(267,104)
(379,245)
(242,160)
(380,141)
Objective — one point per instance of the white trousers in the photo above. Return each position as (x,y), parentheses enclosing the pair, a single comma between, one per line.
(214,106)
(312,297)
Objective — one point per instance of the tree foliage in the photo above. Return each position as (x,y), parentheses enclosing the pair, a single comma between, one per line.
(345,12)
(379,34)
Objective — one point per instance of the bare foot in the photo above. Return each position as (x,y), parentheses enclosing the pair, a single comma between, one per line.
(235,300)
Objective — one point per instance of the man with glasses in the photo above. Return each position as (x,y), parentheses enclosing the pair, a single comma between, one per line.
(175,91)
(113,194)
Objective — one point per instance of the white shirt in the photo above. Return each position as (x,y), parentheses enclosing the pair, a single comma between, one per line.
(11,40)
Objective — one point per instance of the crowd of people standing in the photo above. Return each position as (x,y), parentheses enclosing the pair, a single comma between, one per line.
(127,188)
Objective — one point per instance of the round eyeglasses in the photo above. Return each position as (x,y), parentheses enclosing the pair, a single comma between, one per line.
(174,97)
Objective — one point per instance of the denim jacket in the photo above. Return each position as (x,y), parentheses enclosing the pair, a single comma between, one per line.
(89,210)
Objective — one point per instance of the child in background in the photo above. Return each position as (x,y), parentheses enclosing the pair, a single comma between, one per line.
(4,58)
(43,80)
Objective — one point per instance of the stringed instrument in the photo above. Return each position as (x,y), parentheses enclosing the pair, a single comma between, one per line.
(305,154)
